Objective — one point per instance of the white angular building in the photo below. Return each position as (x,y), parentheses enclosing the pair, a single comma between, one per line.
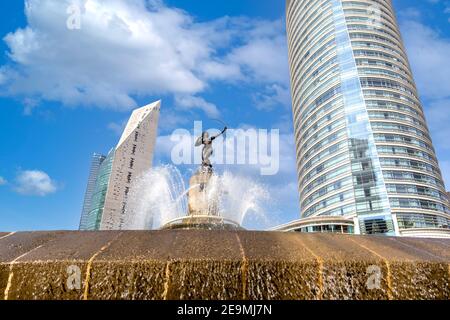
(124,164)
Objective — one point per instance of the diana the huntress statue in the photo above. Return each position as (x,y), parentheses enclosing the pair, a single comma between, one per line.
(199,202)
(207,151)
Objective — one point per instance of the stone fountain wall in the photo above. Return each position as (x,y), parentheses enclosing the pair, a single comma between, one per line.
(179,264)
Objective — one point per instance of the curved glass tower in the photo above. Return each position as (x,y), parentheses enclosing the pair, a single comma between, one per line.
(363,147)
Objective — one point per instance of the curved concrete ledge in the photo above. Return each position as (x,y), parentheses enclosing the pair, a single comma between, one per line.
(180,264)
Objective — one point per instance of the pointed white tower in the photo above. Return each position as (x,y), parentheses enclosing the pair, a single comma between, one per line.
(132,157)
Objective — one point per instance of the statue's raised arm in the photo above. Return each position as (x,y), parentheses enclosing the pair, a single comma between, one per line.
(219,134)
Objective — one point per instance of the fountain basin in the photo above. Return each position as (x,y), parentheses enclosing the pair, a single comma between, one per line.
(202,222)
(224,265)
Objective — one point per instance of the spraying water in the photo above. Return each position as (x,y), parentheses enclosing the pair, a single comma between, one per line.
(160,195)
(156,197)
(238,197)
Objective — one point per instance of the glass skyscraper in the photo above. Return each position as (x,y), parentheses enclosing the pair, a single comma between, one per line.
(364,151)
(96,162)
(99,193)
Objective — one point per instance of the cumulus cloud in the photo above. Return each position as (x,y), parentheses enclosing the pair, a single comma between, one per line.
(428,53)
(192,102)
(274,96)
(265,55)
(34,183)
(125,49)
(170,119)
(3,181)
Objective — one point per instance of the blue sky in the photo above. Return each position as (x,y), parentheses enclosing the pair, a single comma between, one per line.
(65,94)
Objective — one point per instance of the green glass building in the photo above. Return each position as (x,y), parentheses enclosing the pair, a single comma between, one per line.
(95,213)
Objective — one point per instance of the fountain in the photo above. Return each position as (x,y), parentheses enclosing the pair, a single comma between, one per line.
(160,199)
(204,196)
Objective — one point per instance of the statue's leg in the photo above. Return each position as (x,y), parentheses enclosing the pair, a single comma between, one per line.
(207,153)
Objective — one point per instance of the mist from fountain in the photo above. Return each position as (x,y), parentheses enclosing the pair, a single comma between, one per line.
(160,196)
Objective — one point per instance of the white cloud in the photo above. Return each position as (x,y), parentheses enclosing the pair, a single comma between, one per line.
(3,181)
(129,48)
(214,70)
(169,120)
(192,102)
(265,57)
(274,96)
(428,53)
(34,183)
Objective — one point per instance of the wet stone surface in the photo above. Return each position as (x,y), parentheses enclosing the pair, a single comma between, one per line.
(49,263)
(4,234)
(345,267)
(196,264)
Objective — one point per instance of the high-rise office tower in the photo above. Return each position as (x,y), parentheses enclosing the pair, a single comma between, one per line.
(100,190)
(364,151)
(107,198)
(96,162)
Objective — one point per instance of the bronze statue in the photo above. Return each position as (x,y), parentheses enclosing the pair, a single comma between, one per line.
(207,151)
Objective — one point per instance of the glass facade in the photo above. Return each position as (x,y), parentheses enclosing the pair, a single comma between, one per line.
(321,224)
(327,228)
(415,221)
(363,146)
(94,216)
(96,162)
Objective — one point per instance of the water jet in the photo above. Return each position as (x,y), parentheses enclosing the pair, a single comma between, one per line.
(204,195)
(159,199)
